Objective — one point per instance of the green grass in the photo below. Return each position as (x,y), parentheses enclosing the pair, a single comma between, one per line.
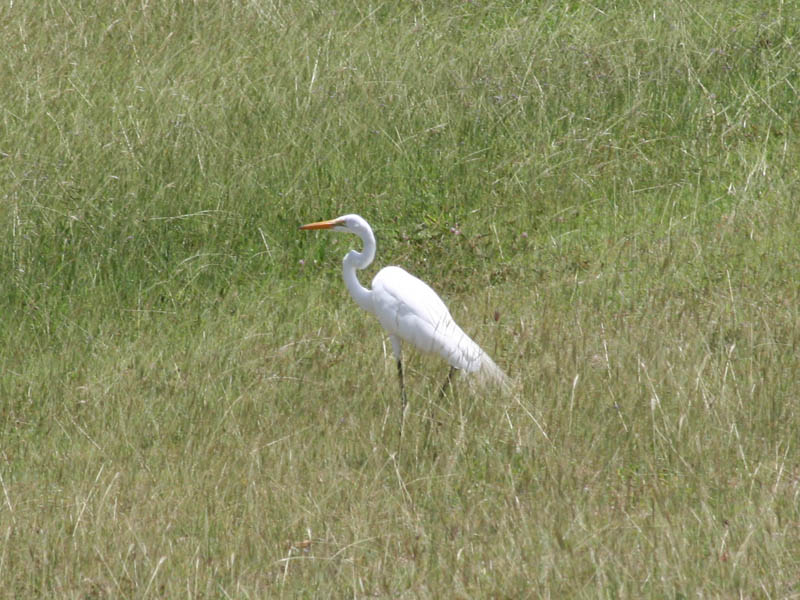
(192,406)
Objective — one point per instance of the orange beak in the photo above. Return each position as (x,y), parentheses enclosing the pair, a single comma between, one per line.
(322,224)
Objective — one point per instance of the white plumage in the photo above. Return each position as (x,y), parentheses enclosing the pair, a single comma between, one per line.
(408,308)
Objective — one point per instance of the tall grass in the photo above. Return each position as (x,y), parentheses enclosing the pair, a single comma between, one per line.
(605,195)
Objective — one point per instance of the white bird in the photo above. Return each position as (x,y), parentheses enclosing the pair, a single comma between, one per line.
(409,310)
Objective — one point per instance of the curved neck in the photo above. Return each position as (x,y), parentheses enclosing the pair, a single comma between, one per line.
(354,260)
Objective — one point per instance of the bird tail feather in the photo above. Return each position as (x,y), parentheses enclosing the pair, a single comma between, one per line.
(490,374)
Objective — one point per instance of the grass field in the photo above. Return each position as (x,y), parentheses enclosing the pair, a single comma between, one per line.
(606,196)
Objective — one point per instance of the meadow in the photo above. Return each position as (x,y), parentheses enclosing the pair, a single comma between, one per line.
(605,195)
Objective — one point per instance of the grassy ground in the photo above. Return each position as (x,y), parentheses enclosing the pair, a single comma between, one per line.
(606,195)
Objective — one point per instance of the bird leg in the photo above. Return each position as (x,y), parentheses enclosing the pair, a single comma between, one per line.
(447,382)
(402,395)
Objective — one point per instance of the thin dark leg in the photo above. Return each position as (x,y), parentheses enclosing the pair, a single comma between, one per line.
(402,395)
(447,382)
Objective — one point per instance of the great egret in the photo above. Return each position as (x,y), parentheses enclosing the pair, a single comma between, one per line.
(409,309)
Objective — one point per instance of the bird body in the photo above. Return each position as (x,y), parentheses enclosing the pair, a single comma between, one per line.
(408,308)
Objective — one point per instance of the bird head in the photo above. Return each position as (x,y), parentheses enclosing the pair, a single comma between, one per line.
(347,223)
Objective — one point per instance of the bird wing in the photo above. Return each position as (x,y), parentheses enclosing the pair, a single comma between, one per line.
(408,308)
